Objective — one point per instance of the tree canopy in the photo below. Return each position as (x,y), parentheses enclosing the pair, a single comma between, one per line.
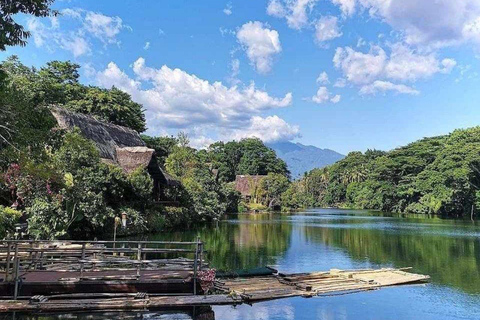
(247,156)
(12,33)
(57,83)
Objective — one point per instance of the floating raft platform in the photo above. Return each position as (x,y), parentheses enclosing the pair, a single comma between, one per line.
(229,291)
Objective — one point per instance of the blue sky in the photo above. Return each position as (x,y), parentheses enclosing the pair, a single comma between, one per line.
(340,74)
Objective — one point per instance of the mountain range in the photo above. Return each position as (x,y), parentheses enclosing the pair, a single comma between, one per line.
(301,158)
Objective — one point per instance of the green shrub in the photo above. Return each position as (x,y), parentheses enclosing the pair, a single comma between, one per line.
(8,218)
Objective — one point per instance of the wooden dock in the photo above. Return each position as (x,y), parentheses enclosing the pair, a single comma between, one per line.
(227,291)
(29,268)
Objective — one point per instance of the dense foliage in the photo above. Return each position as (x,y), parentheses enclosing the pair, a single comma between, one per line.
(57,83)
(247,156)
(439,175)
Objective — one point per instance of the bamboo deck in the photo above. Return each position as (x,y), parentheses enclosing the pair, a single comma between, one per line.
(229,291)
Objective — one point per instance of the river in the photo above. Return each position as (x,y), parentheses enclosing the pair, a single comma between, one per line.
(321,239)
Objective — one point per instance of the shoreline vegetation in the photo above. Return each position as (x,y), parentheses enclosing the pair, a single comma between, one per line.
(438,175)
(54,180)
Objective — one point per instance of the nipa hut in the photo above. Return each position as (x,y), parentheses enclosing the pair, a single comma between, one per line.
(248,186)
(117,145)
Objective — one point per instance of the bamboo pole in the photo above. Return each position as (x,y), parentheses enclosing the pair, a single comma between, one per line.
(7,267)
(17,262)
(195,262)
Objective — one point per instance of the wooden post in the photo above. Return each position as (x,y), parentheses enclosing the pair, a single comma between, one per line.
(201,256)
(17,265)
(139,258)
(195,261)
(82,257)
(7,266)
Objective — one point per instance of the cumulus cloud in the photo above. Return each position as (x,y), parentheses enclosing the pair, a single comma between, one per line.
(403,64)
(260,43)
(432,23)
(383,86)
(269,129)
(326,29)
(406,64)
(335,99)
(323,95)
(294,11)
(200,141)
(176,99)
(85,26)
(359,67)
(323,78)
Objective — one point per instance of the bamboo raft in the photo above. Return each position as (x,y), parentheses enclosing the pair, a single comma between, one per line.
(230,291)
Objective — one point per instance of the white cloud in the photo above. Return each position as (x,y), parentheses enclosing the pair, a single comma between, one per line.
(432,23)
(74,13)
(335,99)
(85,25)
(260,44)
(402,64)
(294,11)
(406,64)
(176,99)
(200,141)
(383,86)
(235,71)
(225,31)
(103,27)
(228,9)
(321,96)
(269,129)
(38,30)
(340,83)
(323,78)
(326,28)
(76,44)
(347,6)
(276,9)
(361,42)
(448,65)
(55,24)
(146,46)
(359,67)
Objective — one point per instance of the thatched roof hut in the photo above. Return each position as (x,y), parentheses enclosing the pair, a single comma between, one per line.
(117,144)
(247,184)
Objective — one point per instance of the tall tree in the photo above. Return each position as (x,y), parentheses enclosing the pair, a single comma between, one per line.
(12,33)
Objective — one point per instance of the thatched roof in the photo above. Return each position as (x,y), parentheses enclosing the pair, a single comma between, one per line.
(107,136)
(245,184)
(117,144)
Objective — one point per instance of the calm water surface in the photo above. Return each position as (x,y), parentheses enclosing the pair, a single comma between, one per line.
(320,239)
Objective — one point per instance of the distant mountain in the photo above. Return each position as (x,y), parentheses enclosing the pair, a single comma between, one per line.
(301,158)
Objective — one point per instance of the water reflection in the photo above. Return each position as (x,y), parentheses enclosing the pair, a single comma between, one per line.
(242,242)
(448,251)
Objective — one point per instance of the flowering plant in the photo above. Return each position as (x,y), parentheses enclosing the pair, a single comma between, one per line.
(207,279)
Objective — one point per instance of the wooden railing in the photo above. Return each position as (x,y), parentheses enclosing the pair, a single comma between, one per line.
(18,257)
